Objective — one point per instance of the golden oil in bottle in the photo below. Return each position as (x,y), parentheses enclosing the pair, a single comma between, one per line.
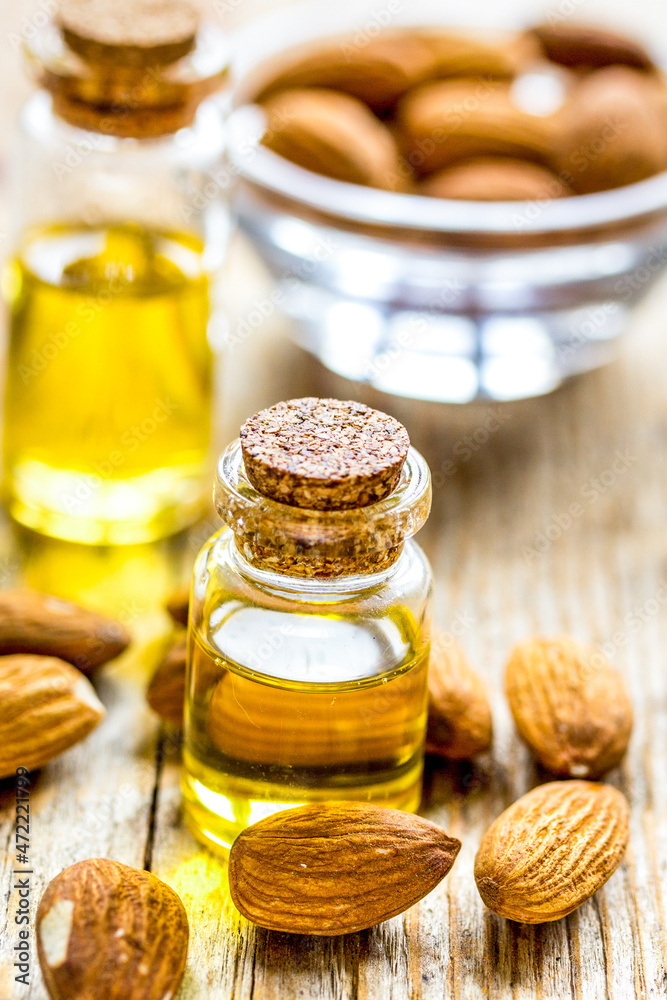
(108,398)
(309,627)
(287,709)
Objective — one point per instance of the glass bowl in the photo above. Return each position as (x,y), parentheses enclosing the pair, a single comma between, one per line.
(427,298)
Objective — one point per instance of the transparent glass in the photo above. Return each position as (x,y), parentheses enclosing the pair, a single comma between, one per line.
(113,311)
(305,688)
(428,298)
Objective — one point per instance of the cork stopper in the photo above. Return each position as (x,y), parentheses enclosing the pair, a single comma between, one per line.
(307,543)
(324,454)
(128,68)
(138,33)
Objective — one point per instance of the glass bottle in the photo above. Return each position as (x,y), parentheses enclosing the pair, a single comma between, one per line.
(308,648)
(120,233)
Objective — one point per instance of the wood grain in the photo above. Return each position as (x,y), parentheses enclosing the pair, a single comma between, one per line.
(603,579)
(505,569)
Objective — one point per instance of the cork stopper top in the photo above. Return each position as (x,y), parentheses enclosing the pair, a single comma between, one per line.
(320,544)
(139,33)
(128,68)
(324,454)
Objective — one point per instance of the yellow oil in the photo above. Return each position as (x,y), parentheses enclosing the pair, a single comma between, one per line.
(108,396)
(257,743)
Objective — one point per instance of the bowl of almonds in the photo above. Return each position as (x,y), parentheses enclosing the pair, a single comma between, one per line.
(449,213)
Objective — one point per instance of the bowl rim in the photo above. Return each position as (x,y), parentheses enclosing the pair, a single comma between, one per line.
(375,207)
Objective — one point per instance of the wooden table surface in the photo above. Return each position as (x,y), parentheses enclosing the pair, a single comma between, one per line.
(507,565)
(510,561)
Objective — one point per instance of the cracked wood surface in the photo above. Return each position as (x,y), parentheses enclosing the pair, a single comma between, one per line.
(508,564)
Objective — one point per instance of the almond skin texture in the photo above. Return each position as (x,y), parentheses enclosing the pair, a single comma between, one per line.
(611,131)
(166,690)
(336,868)
(570,707)
(551,850)
(37,623)
(459,717)
(105,930)
(332,134)
(589,47)
(441,123)
(495,178)
(46,706)
(381,70)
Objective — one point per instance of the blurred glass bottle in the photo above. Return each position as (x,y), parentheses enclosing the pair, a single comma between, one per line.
(120,233)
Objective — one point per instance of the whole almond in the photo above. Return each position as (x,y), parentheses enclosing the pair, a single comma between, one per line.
(500,55)
(441,123)
(46,706)
(495,178)
(166,690)
(31,622)
(380,70)
(178,604)
(570,707)
(611,131)
(377,73)
(333,134)
(336,868)
(551,850)
(459,717)
(589,46)
(106,931)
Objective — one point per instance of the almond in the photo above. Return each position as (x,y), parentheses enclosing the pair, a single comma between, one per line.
(336,868)
(495,178)
(166,690)
(612,131)
(570,707)
(105,930)
(379,71)
(332,134)
(551,850)
(441,123)
(588,46)
(501,55)
(459,717)
(178,604)
(50,626)
(46,706)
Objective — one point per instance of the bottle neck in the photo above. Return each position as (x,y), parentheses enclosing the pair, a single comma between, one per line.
(277,580)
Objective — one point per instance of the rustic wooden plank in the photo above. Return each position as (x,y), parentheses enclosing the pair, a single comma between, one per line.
(96,800)
(507,565)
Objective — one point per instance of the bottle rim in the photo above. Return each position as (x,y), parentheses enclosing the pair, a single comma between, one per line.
(302,542)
